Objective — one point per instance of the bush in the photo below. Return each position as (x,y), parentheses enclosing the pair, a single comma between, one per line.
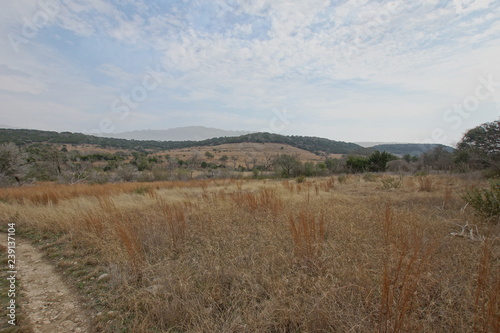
(486,202)
(342,178)
(369,177)
(391,182)
(357,164)
(425,184)
(301,179)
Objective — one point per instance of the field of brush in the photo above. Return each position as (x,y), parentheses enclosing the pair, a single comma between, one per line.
(342,254)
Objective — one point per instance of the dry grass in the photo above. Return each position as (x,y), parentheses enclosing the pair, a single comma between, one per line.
(269,256)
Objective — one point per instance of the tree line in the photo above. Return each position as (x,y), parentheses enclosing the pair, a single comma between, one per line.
(479,149)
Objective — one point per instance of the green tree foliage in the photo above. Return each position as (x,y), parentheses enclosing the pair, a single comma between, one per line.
(312,144)
(357,164)
(46,161)
(378,161)
(142,162)
(480,147)
(287,163)
(410,158)
(486,202)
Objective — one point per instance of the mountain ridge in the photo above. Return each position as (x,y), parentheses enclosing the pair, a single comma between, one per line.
(316,145)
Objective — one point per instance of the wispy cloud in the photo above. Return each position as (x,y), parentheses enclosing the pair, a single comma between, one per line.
(230,63)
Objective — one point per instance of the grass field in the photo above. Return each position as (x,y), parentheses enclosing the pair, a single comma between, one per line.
(348,254)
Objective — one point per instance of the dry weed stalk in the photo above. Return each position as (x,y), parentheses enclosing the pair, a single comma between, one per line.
(127,234)
(267,199)
(307,235)
(487,295)
(286,184)
(177,222)
(447,196)
(329,184)
(209,265)
(425,184)
(405,258)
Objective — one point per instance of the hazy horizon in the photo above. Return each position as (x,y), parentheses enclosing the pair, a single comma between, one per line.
(356,71)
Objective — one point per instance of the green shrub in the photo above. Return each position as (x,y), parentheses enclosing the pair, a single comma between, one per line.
(486,202)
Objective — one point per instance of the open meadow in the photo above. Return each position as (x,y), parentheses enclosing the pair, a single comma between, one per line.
(349,253)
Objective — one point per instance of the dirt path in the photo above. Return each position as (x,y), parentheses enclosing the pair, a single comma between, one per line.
(51,307)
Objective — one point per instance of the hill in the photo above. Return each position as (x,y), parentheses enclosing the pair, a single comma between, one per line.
(318,146)
(190,133)
(312,144)
(413,149)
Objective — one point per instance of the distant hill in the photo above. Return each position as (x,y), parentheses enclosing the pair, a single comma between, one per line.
(371,144)
(315,145)
(189,133)
(414,149)
(312,144)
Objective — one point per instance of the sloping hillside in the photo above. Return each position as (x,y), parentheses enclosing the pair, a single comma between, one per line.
(312,144)
(414,149)
(318,146)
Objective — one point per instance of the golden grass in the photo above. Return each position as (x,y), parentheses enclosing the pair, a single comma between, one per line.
(270,256)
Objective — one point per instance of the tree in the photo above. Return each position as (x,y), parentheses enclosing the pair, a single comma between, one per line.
(223,159)
(378,161)
(141,161)
(437,159)
(334,165)
(47,161)
(480,146)
(287,163)
(410,158)
(194,160)
(209,155)
(357,163)
(13,163)
(234,158)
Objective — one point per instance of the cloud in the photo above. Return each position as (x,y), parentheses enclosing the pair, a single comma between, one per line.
(19,84)
(353,60)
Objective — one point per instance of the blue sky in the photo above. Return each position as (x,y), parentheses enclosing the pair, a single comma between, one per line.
(358,70)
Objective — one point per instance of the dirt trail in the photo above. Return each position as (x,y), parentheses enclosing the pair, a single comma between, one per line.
(51,307)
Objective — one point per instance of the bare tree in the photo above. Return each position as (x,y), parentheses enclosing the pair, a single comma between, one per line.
(13,163)
(268,160)
(194,160)
(251,161)
(234,158)
(77,172)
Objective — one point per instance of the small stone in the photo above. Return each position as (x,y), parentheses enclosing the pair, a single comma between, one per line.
(103,277)
(112,313)
(154,289)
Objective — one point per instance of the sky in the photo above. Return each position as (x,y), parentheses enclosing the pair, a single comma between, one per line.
(385,71)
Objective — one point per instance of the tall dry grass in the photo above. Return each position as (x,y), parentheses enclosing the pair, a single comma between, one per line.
(255,256)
